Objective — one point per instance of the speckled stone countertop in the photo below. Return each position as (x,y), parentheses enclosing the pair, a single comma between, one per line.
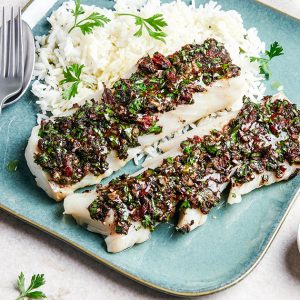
(71,275)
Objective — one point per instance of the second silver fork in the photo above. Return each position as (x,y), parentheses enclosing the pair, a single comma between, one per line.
(11,57)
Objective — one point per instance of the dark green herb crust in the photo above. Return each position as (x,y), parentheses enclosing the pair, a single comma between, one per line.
(194,179)
(73,146)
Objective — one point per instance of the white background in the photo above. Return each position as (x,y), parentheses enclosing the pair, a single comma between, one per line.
(71,275)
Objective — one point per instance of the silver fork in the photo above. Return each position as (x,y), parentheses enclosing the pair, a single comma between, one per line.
(11,60)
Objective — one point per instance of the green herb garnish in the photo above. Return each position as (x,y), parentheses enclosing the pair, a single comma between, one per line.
(12,166)
(264,62)
(187,149)
(36,281)
(72,75)
(154,129)
(185,204)
(153,25)
(170,160)
(146,222)
(211,149)
(87,24)
(135,106)
(277,86)
(241,50)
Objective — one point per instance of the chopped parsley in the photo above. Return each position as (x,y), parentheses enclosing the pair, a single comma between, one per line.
(170,160)
(241,50)
(154,129)
(147,221)
(277,86)
(135,106)
(185,204)
(12,166)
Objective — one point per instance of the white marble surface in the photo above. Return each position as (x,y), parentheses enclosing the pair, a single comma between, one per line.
(71,275)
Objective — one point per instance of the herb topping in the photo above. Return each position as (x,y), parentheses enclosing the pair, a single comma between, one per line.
(71,147)
(261,138)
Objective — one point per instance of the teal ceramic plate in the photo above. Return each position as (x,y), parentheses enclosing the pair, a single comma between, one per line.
(208,259)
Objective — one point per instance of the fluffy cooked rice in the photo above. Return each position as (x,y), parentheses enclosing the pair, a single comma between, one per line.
(111,52)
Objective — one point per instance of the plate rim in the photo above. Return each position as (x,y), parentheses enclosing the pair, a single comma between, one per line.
(134,277)
(27,4)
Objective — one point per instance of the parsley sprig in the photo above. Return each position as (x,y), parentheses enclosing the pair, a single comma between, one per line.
(72,75)
(264,62)
(36,281)
(87,24)
(153,25)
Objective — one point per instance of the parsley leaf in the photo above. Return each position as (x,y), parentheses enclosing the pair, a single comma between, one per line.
(153,25)
(135,106)
(185,204)
(187,150)
(72,75)
(275,50)
(170,160)
(36,282)
(264,62)
(241,50)
(146,222)
(78,9)
(87,24)
(277,86)
(154,128)
(211,149)
(21,283)
(12,166)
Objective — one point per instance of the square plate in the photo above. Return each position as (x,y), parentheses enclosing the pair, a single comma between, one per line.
(212,257)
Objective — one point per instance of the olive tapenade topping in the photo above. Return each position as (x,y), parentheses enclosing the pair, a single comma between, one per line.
(262,137)
(162,83)
(73,146)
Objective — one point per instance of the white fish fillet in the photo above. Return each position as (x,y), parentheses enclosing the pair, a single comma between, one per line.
(204,127)
(196,217)
(221,95)
(57,191)
(236,192)
(77,206)
(190,218)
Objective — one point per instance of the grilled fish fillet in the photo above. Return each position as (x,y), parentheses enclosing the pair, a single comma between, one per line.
(190,218)
(77,204)
(221,95)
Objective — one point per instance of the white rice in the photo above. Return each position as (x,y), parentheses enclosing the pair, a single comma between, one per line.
(111,52)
